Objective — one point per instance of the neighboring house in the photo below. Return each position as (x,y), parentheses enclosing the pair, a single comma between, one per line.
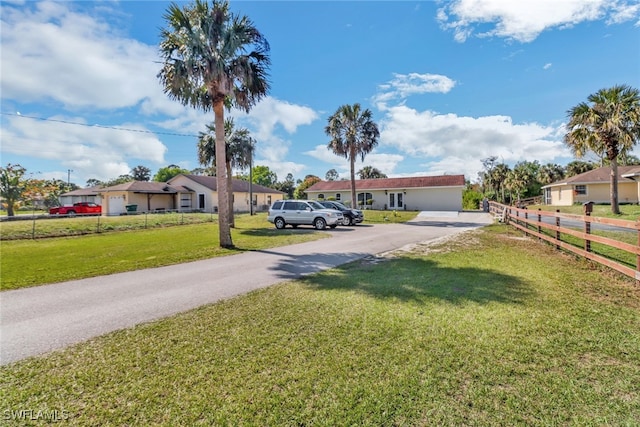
(144,196)
(91,195)
(420,193)
(204,192)
(594,186)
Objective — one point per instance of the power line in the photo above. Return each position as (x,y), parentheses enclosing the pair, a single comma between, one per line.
(67,122)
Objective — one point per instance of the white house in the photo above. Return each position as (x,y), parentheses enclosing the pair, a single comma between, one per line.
(419,193)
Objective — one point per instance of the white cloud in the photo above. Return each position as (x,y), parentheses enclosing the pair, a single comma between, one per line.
(525,20)
(455,144)
(50,52)
(405,85)
(547,66)
(384,162)
(92,152)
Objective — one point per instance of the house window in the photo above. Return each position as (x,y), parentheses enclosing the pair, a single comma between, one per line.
(269,199)
(320,196)
(581,190)
(338,196)
(200,201)
(363,198)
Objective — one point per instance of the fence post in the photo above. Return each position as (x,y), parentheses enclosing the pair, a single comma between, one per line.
(638,257)
(98,225)
(587,230)
(539,221)
(558,230)
(33,229)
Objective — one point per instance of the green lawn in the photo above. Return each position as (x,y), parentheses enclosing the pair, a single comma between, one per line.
(487,329)
(36,262)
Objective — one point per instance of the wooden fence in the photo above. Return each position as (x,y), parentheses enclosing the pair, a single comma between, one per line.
(575,233)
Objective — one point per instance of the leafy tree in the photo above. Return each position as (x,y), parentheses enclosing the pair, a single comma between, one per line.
(141,173)
(92,182)
(212,59)
(238,151)
(577,167)
(493,178)
(287,186)
(262,175)
(309,180)
(331,175)
(12,186)
(209,171)
(353,133)
(608,123)
(369,172)
(168,172)
(551,172)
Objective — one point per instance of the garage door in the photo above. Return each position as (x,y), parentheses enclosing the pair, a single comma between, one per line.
(116,205)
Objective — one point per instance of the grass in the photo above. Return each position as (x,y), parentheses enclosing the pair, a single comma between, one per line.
(628,212)
(470,332)
(35,262)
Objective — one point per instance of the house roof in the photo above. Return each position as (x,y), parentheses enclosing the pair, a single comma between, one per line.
(146,187)
(599,176)
(238,185)
(391,183)
(89,191)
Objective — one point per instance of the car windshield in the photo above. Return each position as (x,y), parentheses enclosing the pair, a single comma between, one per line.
(341,206)
(315,204)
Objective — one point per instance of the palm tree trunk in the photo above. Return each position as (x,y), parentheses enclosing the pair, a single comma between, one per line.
(232,222)
(614,186)
(353,179)
(221,177)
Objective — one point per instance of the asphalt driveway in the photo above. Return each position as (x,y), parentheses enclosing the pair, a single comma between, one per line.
(41,319)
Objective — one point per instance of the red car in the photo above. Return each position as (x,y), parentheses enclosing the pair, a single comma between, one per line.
(80,208)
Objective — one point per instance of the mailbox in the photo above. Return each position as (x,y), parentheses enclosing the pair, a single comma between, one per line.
(587,208)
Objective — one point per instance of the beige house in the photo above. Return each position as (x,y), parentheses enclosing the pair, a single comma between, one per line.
(204,193)
(594,186)
(183,193)
(420,193)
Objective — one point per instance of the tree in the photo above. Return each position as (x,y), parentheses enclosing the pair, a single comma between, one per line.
(331,175)
(287,186)
(92,182)
(262,175)
(369,172)
(238,152)
(168,172)
(577,167)
(212,59)
(551,172)
(12,186)
(309,180)
(141,173)
(608,123)
(353,133)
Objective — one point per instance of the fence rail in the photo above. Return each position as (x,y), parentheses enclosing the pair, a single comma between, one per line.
(575,233)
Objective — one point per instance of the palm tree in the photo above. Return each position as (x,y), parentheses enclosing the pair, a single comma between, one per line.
(610,124)
(352,132)
(238,152)
(551,172)
(212,59)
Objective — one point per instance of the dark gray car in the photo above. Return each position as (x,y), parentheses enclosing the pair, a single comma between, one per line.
(351,216)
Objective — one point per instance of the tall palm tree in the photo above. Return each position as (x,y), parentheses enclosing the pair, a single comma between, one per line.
(212,59)
(238,152)
(353,133)
(609,123)
(551,172)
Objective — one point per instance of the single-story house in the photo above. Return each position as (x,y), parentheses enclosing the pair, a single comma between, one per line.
(420,193)
(90,194)
(204,193)
(183,193)
(143,196)
(594,186)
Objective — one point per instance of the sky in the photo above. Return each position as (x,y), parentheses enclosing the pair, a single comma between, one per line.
(449,83)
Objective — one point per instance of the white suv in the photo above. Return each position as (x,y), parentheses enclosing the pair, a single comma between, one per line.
(303,212)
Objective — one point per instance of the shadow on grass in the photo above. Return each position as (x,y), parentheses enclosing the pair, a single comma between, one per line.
(419,280)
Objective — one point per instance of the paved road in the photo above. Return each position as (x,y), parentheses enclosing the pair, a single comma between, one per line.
(45,318)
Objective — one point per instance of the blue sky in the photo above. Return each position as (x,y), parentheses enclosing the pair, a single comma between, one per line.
(448,83)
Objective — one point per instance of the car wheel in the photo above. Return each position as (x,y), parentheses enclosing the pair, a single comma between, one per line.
(346,220)
(319,223)
(279,223)
(71,213)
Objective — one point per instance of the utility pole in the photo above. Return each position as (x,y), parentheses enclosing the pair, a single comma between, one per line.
(69,177)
